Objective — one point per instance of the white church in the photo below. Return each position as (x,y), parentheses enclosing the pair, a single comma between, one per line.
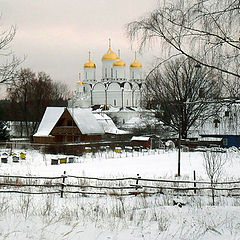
(119,86)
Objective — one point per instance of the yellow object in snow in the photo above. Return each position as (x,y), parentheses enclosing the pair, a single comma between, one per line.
(23,156)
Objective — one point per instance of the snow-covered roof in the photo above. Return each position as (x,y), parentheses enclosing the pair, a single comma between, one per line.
(108,125)
(85,121)
(49,120)
(83,118)
(140,138)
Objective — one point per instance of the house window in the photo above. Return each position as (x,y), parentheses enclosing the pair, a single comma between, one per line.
(84,89)
(226,113)
(69,123)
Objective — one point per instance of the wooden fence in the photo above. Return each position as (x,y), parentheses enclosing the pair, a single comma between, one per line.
(126,186)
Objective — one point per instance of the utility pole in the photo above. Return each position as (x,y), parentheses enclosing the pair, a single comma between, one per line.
(179,152)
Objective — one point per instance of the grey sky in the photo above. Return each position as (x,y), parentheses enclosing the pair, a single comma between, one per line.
(56,35)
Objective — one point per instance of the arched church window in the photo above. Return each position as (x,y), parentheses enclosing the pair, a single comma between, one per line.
(111,72)
(85,75)
(105,72)
(115,102)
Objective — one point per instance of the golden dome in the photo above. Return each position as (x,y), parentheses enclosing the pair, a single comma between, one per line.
(90,63)
(109,55)
(135,63)
(119,62)
(79,82)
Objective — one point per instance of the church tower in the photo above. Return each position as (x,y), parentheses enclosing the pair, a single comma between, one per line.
(136,70)
(89,71)
(119,69)
(107,64)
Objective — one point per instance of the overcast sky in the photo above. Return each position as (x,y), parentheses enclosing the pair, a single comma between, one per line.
(56,35)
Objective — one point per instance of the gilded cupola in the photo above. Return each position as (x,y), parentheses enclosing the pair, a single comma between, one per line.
(90,63)
(119,62)
(135,63)
(109,55)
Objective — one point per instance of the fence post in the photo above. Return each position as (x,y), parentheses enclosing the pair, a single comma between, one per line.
(194,184)
(138,178)
(63,182)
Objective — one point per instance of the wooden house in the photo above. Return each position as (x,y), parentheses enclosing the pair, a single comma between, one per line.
(68,125)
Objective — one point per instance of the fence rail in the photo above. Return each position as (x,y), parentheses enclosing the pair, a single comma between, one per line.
(126,186)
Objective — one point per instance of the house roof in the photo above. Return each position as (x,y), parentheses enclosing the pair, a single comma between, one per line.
(49,120)
(84,119)
(108,125)
(140,138)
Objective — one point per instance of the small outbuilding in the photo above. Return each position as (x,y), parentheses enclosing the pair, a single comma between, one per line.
(141,141)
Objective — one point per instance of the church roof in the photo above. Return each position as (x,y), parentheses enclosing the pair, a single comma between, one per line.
(90,63)
(135,63)
(110,55)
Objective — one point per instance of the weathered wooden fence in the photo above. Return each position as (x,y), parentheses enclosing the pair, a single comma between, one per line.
(126,186)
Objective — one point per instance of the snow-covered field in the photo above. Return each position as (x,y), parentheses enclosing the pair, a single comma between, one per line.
(111,217)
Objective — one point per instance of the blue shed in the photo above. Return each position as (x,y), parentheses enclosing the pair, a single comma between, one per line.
(230,141)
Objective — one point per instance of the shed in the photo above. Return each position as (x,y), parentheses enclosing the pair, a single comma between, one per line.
(141,141)
(230,141)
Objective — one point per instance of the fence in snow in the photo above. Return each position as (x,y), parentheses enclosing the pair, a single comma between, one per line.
(128,186)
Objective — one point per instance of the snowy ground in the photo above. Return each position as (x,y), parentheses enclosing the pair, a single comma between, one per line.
(116,218)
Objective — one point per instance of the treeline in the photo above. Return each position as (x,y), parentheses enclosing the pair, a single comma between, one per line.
(28,95)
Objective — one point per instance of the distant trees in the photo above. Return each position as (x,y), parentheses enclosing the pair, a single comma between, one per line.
(206,31)
(179,91)
(4,131)
(29,94)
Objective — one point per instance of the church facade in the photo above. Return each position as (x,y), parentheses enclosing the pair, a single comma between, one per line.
(114,88)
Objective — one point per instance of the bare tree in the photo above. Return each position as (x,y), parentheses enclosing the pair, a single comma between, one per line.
(206,31)
(214,163)
(30,95)
(179,91)
(8,62)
